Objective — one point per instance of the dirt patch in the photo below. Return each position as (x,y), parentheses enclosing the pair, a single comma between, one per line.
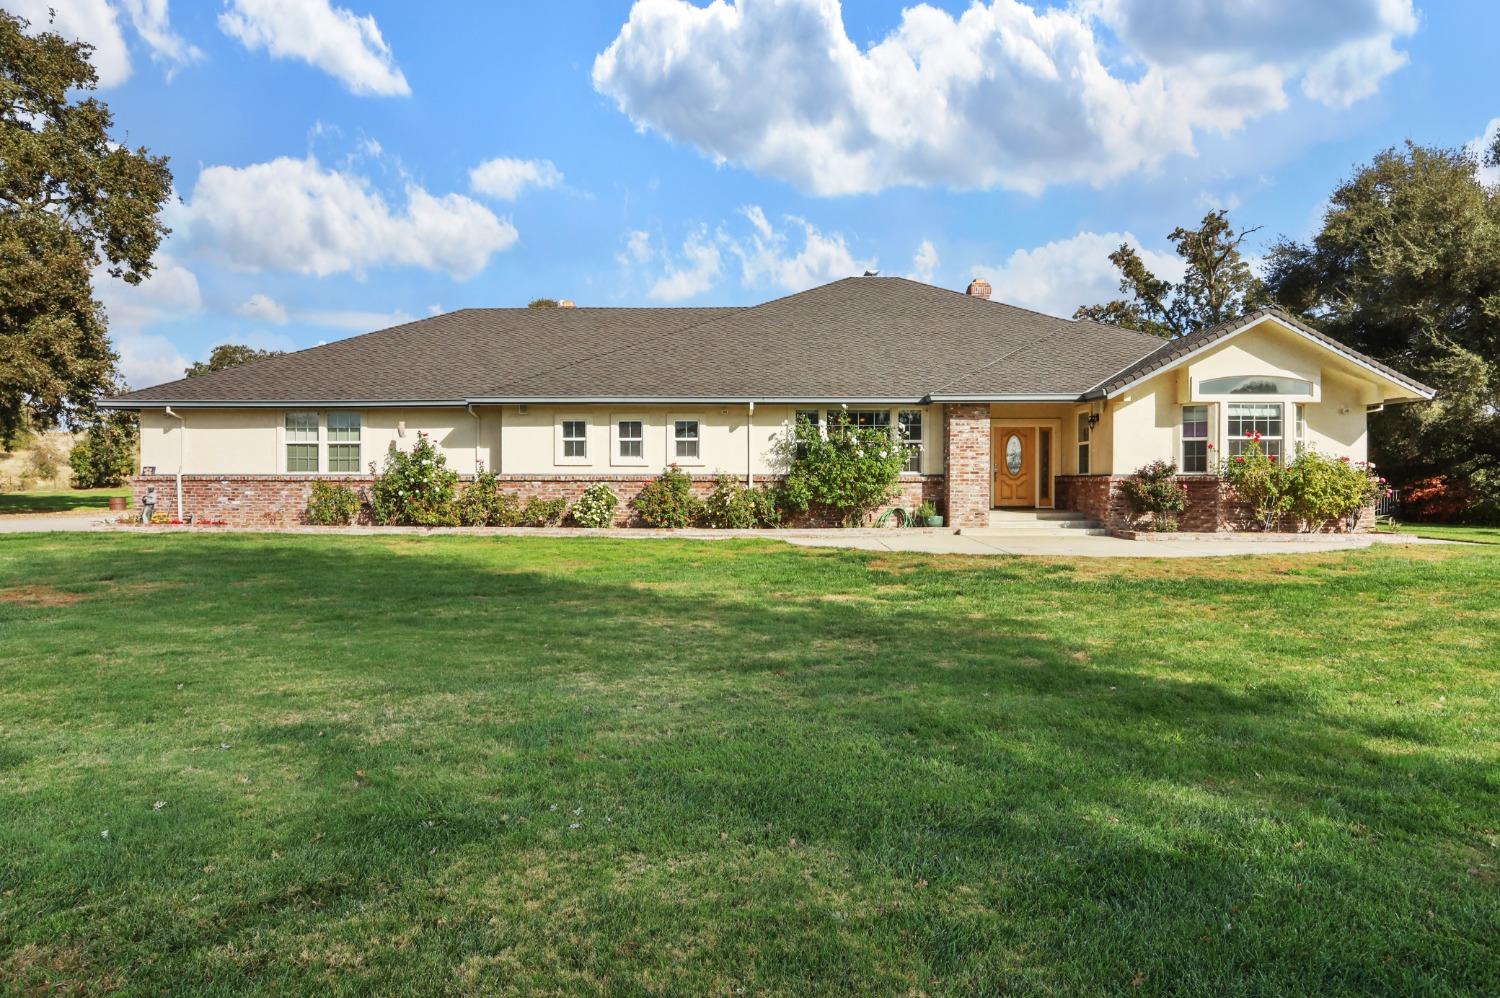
(39,596)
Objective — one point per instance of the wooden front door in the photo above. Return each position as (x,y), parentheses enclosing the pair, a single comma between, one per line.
(1013,450)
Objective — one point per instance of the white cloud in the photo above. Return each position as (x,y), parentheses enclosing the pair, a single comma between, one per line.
(263,307)
(1480,146)
(147,359)
(924,262)
(91,21)
(334,39)
(1059,276)
(765,258)
(506,178)
(153,24)
(171,292)
(1004,95)
(292,214)
(359,321)
(697,274)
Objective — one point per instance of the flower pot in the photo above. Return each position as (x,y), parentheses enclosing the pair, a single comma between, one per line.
(117,504)
(934,521)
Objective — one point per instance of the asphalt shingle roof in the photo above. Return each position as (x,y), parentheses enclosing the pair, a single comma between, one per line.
(875,338)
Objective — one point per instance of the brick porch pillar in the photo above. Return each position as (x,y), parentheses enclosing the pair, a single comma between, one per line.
(966,450)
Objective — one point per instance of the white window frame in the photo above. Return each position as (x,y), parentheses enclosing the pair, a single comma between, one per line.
(1301,427)
(358,443)
(618,440)
(1084,451)
(672,439)
(559,454)
(1183,439)
(1231,440)
(916,446)
(287,442)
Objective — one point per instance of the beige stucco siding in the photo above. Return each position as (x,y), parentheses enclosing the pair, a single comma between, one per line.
(1144,423)
(503,438)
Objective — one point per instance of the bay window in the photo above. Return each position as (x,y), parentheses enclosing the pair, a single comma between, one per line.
(1194,439)
(1246,419)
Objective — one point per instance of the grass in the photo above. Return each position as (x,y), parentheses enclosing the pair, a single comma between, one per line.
(527,765)
(1450,532)
(58,501)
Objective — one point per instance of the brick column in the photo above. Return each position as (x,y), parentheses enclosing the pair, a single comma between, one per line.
(966,451)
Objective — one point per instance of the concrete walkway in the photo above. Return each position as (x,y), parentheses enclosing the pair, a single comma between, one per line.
(922,541)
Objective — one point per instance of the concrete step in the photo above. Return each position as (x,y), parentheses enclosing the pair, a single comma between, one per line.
(1032,519)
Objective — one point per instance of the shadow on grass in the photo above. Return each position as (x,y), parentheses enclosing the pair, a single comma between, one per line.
(58,502)
(786,744)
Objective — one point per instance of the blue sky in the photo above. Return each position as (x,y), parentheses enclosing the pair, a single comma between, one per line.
(346,164)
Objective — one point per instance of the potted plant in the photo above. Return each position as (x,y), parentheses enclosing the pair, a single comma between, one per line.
(927,513)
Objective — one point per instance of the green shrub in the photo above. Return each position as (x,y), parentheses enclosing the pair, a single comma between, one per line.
(1324,489)
(105,456)
(1153,489)
(482,504)
(668,501)
(768,505)
(539,512)
(925,510)
(332,505)
(416,487)
(596,507)
(731,506)
(1260,482)
(851,470)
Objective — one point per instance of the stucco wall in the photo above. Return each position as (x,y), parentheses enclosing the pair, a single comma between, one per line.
(1145,423)
(253,441)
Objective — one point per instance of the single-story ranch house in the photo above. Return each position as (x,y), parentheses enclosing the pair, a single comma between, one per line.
(1003,407)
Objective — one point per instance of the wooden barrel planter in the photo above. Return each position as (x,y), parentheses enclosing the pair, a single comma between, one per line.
(117,504)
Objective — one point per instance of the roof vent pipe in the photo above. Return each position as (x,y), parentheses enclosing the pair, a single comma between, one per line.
(979,288)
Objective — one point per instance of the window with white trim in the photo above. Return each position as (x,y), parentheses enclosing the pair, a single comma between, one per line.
(910,423)
(879,418)
(343,442)
(1084,431)
(1194,439)
(1246,419)
(1301,426)
(629,433)
(302,443)
(811,418)
(575,438)
(685,439)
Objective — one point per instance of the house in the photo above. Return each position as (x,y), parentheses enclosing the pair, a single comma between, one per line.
(1002,407)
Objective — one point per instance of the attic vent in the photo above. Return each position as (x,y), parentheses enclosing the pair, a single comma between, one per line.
(979,288)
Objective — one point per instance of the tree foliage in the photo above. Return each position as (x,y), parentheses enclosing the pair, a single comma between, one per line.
(1217,283)
(229,355)
(542,303)
(105,456)
(1406,268)
(72,199)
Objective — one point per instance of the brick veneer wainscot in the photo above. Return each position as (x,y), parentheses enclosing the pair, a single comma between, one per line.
(281,500)
(1211,506)
(966,455)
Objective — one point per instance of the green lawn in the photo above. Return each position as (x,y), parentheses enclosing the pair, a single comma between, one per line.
(470,765)
(59,501)
(1450,532)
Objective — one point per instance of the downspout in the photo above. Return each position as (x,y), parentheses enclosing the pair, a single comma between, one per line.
(477,424)
(750,447)
(181,448)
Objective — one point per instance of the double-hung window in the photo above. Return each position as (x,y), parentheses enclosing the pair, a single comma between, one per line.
(1084,431)
(343,442)
(1246,419)
(685,439)
(910,423)
(575,439)
(630,437)
(1194,439)
(302,442)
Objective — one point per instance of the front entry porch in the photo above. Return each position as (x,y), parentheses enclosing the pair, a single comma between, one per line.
(1023,462)
(1002,456)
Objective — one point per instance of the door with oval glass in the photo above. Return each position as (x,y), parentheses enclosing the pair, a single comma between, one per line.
(1013,450)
